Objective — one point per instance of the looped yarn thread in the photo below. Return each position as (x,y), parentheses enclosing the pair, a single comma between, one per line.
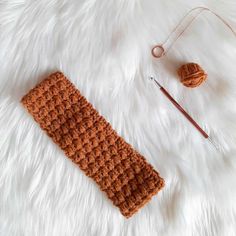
(191,75)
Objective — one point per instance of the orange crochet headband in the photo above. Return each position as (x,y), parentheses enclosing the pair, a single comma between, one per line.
(90,142)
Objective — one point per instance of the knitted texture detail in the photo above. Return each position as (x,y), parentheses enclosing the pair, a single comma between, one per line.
(90,142)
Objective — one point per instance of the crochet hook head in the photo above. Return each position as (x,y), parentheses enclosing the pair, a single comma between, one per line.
(157,83)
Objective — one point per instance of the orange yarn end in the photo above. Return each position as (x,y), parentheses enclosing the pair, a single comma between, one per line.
(191,75)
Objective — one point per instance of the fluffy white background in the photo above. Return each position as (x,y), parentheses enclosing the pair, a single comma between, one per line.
(104,48)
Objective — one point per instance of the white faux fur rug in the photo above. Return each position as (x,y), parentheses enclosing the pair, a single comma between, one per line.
(104,48)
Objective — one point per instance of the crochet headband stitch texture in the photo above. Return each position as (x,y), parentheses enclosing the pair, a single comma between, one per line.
(90,142)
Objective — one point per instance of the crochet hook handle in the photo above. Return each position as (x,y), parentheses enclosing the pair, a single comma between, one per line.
(187,116)
(180,108)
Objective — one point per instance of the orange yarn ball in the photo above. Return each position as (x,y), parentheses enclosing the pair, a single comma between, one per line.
(191,75)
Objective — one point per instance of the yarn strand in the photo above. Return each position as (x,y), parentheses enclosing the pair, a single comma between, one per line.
(167,44)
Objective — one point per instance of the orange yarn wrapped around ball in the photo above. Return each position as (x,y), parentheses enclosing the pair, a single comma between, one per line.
(191,75)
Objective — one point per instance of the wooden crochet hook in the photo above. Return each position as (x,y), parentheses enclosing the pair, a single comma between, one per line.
(186,115)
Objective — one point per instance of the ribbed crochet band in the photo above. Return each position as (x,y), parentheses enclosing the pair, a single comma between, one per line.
(89,141)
